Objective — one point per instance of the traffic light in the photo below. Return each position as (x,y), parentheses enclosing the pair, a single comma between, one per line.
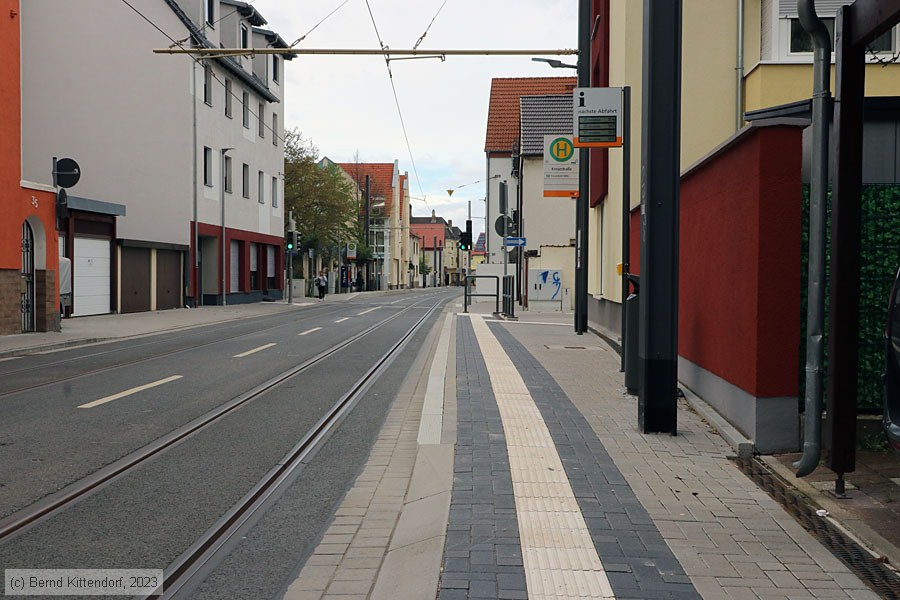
(293,241)
(465,242)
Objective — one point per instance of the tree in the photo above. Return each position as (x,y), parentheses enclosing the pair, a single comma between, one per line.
(322,200)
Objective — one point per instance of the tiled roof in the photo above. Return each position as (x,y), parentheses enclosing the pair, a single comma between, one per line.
(381,178)
(503,111)
(544,115)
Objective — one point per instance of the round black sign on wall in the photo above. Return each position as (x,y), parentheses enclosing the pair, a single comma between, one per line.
(67,172)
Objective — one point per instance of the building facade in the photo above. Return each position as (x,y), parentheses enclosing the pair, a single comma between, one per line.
(29,263)
(181,160)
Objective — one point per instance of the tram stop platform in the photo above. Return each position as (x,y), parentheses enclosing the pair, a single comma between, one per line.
(511,467)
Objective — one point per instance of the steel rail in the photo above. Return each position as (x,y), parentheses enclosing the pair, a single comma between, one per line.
(206,552)
(45,366)
(63,499)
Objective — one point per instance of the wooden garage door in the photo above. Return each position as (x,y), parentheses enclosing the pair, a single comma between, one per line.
(135,279)
(168,279)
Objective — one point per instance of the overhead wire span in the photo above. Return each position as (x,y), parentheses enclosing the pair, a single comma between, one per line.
(419,41)
(215,77)
(325,18)
(387,62)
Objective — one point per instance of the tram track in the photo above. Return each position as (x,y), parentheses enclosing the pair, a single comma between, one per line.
(195,564)
(43,367)
(56,503)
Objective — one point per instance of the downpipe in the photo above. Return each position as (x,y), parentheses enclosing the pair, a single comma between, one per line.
(815,314)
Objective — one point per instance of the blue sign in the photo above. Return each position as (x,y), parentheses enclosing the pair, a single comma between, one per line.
(515,241)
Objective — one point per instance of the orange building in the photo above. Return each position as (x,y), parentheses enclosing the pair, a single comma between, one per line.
(29,256)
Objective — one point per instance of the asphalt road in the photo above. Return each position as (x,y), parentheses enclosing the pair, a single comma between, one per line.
(78,421)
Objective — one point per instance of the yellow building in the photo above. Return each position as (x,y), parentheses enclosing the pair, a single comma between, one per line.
(730,66)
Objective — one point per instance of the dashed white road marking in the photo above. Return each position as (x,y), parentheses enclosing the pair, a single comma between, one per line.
(341,320)
(308,331)
(134,390)
(254,351)
(366,311)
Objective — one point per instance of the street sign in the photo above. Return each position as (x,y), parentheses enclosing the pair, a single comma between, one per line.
(598,117)
(67,173)
(560,167)
(513,242)
(351,251)
(498,225)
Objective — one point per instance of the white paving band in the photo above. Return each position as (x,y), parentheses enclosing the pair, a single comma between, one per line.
(557,550)
(130,392)
(433,407)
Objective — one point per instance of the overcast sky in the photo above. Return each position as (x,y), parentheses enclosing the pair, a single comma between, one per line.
(345,105)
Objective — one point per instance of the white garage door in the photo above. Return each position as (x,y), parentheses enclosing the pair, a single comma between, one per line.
(92,271)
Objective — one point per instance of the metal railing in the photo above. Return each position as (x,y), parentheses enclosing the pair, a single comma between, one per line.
(470,285)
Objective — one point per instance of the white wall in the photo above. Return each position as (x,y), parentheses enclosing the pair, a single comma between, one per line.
(547,221)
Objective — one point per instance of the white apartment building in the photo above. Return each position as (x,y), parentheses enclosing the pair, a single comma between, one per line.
(180,196)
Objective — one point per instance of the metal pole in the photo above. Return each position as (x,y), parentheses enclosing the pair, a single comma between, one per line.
(368,242)
(582,210)
(626,205)
(195,274)
(222,164)
(660,187)
(471,245)
(291,262)
(504,214)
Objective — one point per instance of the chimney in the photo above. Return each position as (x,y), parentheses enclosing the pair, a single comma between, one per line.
(449,222)
(433,218)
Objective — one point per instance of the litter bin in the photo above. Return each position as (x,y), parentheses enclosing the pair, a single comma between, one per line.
(632,329)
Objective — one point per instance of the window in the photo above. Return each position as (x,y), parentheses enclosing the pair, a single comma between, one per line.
(261,115)
(228,174)
(246,101)
(245,180)
(228,98)
(274,129)
(209,7)
(261,185)
(207,167)
(207,85)
(275,74)
(275,191)
(802,41)
(245,36)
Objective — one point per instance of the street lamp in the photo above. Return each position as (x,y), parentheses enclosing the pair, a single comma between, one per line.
(222,163)
(556,64)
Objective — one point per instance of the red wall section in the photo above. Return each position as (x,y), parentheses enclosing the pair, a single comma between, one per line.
(739,291)
(739,263)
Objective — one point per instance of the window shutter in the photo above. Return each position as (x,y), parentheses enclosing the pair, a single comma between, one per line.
(824,8)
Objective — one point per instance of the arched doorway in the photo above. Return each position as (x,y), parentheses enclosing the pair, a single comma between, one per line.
(27,278)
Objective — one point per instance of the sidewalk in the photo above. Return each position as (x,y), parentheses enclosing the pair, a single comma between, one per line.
(540,486)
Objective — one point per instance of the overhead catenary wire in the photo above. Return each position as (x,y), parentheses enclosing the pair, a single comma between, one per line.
(199,62)
(325,18)
(419,41)
(387,63)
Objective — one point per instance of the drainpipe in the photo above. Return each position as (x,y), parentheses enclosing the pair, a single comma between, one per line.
(739,67)
(815,315)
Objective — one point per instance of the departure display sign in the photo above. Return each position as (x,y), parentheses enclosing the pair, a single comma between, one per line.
(598,117)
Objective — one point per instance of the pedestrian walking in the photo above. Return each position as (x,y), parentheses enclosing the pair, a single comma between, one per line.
(321,285)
